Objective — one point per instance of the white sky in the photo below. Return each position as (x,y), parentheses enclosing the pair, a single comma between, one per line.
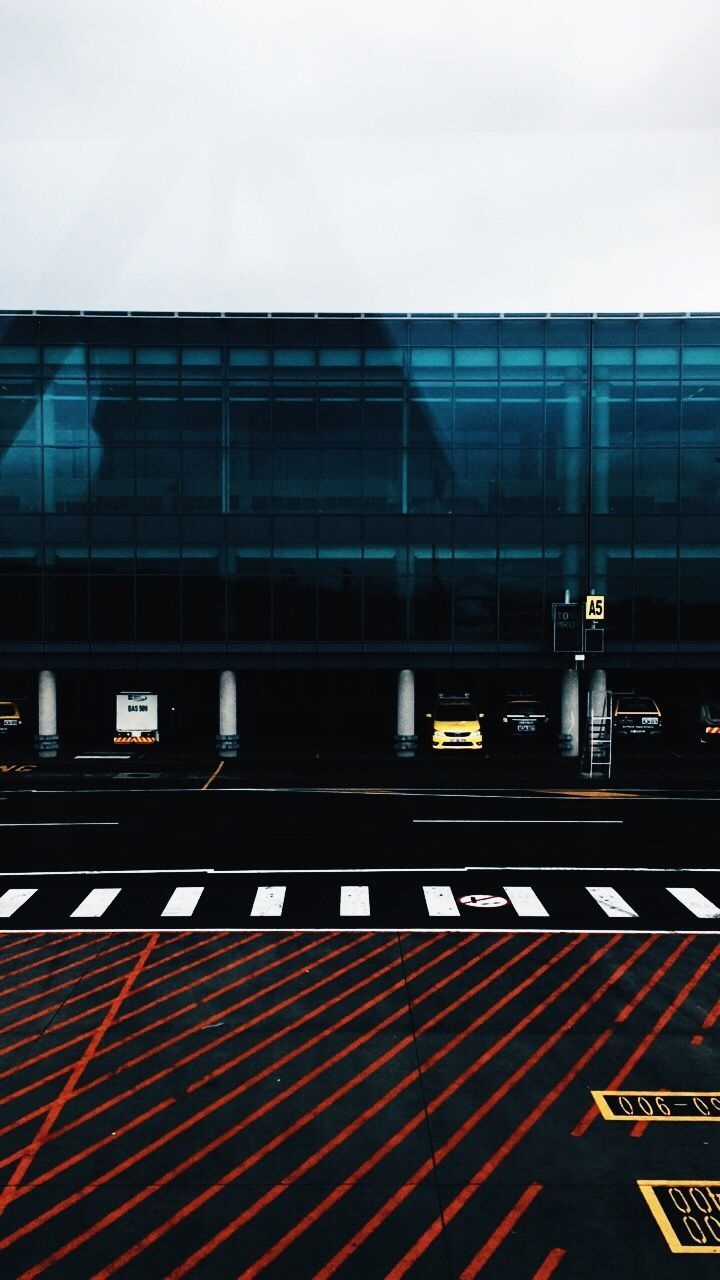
(360,155)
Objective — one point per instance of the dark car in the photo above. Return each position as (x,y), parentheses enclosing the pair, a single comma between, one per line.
(525,718)
(637,717)
(710,723)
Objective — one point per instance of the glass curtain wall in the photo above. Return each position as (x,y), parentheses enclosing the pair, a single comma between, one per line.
(329,483)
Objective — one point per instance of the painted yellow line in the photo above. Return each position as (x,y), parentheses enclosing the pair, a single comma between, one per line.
(655,1104)
(212,777)
(693,1207)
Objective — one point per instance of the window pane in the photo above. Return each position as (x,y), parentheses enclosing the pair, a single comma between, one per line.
(656,481)
(521,609)
(700,481)
(203,608)
(158,480)
(250,479)
(112,607)
(66,607)
(112,478)
(340,480)
(383,421)
(429,480)
(565,415)
(295,480)
(294,604)
(19,414)
(565,481)
(476,362)
(655,609)
(701,414)
(657,415)
(339,420)
(385,608)
(201,480)
(20,617)
(476,416)
(339,604)
(294,420)
(158,608)
(612,481)
(66,480)
(382,480)
(157,415)
(65,414)
(112,414)
(521,481)
(431,606)
(475,609)
(475,480)
(613,415)
(521,415)
(249,419)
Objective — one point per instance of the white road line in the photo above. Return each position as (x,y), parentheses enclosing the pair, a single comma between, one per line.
(12,900)
(182,902)
(165,871)
(440,900)
(354,900)
(59,824)
(611,902)
(696,902)
(531,822)
(525,900)
(269,900)
(95,903)
(106,756)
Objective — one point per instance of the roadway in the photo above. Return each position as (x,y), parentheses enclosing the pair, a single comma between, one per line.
(348,1019)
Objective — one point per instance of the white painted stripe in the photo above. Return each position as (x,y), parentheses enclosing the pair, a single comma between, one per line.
(106,756)
(13,899)
(440,900)
(269,900)
(354,900)
(696,902)
(530,822)
(95,903)
(525,900)
(182,902)
(611,902)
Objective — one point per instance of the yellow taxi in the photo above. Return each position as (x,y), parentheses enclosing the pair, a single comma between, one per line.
(456,723)
(10,717)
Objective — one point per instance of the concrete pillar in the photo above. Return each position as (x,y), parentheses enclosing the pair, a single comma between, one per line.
(598,690)
(570,714)
(227,739)
(46,740)
(405,739)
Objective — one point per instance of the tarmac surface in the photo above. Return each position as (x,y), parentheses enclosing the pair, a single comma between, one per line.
(213,1078)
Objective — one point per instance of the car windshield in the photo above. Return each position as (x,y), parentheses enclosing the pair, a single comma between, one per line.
(637,704)
(524,709)
(455,711)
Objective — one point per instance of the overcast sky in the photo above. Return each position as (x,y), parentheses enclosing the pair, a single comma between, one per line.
(360,155)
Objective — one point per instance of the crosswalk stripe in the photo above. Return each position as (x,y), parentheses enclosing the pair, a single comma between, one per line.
(269,900)
(95,903)
(12,900)
(696,902)
(182,902)
(354,900)
(610,901)
(524,899)
(440,900)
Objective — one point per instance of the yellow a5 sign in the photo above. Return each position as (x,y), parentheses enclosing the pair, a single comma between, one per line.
(594,608)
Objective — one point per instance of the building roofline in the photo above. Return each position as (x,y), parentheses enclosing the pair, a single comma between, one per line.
(369,315)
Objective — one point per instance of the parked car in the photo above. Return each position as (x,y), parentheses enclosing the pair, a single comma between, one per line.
(636,717)
(525,718)
(456,723)
(10,717)
(710,723)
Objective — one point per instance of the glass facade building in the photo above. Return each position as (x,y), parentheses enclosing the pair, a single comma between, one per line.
(356,490)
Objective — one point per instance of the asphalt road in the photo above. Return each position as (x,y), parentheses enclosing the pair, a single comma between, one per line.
(357,1021)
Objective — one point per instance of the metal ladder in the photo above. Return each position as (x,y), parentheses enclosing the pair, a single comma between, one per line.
(599,740)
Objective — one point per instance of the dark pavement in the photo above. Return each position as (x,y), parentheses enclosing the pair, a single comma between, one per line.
(346,1082)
